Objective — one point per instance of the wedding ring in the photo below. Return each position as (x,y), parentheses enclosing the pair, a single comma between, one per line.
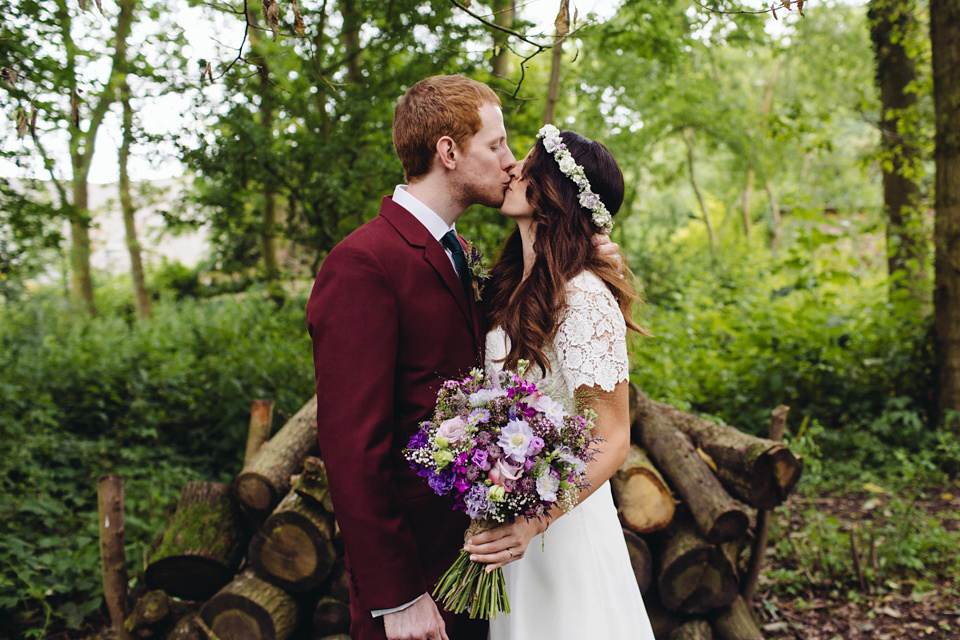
(510,552)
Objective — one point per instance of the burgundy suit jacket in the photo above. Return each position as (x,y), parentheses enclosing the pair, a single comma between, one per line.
(390,321)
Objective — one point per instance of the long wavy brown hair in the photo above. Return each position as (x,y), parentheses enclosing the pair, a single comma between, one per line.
(528,308)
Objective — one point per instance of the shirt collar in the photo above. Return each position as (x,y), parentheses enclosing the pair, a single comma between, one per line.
(424,214)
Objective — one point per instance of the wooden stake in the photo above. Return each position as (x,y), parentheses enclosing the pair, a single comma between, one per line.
(113,557)
(261,420)
(778,424)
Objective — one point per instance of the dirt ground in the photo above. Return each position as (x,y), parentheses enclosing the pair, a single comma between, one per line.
(878,613)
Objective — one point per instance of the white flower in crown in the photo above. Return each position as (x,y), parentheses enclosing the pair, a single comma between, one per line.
(553,144)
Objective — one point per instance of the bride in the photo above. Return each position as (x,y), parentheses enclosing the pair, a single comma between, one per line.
(552,300)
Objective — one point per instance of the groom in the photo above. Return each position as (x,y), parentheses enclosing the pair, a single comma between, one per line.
(392,315)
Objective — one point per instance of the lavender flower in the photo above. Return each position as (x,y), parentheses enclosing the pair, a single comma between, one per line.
(515,439)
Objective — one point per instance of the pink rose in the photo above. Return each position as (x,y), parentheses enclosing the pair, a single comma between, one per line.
(454,429)
(503,471)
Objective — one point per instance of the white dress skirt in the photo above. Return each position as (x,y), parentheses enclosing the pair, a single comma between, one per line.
(577,582)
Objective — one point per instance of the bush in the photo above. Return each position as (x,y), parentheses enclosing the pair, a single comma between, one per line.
(160,402)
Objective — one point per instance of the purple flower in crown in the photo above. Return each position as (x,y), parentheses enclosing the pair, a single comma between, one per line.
(589,199)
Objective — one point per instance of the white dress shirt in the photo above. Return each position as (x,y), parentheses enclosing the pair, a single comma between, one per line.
(425,215)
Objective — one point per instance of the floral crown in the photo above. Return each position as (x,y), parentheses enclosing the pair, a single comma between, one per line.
(553,143)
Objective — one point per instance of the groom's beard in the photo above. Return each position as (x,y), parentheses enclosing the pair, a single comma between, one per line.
(488,198)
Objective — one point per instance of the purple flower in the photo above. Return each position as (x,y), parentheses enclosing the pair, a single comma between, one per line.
(484,438)
(418,440)
(441,483)
(479,459)
(476,501)
(515,439)
(536,446)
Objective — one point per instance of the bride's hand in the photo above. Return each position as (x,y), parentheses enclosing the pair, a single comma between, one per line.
(503,544)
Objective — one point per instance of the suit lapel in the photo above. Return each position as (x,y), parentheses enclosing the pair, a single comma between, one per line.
(417,235)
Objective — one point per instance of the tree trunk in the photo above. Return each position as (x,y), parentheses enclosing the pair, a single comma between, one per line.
(695,575)
(331,617)
(775,217)
(945,45)
(201,547)
(293,548)
(81,275)
(736,623)
(747,197)
(688,139)
(693,630)
(264,481)
(504,11)
(268,224)
(758,471)
(556,61)
(140,294)
(717,515)
(113,557)
(81,143)
(640,559)
(644,501)
(892,25)
(350,39)
(250,609)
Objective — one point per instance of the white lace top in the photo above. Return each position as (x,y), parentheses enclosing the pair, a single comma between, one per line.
(589,348)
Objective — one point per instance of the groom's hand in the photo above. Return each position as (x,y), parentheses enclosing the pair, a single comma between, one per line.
(419,621)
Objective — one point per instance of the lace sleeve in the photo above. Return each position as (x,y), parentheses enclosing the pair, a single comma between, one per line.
(591,340)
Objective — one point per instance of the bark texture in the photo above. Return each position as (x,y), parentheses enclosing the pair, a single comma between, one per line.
(945,44)
(717,515)
(266,479)
(758,471)
(113,556)
(202,546)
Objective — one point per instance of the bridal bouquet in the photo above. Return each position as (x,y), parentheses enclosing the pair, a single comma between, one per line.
(503,450)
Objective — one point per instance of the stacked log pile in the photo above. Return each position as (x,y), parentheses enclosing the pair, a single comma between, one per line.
(722,480)
(262,558)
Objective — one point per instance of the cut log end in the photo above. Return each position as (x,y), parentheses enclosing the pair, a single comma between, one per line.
(255,492)
(728,527)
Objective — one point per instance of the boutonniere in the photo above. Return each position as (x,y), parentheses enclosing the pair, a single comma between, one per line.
(478,270)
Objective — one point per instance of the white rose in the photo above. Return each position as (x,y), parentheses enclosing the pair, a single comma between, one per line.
(568,164)
(549,131)
(551,144)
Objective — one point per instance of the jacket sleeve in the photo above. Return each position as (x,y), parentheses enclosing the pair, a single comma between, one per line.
(352,317)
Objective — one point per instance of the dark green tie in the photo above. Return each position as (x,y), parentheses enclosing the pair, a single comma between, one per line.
(452,243)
